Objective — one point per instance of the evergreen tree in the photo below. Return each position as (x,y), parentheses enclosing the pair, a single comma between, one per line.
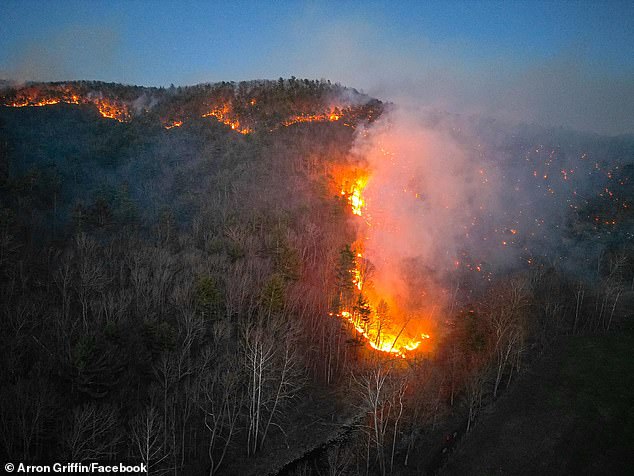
(345,278)
(362,310)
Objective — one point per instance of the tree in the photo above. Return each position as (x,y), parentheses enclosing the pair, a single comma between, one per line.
(345,278)
(508,327)
(146,433)
(383,319)
(208,296)
(90,275)
(382,394)
(93,433)
(272,299)
(286,261)
(220,402)
(362,311)
(272,365)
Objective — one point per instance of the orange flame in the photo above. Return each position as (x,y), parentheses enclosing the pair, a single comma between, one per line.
(332,116)
(223,114)
(385,340)
(34,102)
(107,108)
(351,185)
(113,110)
(171,125)
(383,329)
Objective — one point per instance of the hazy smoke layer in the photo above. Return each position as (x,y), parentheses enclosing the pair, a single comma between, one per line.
(450,198)
(422,195)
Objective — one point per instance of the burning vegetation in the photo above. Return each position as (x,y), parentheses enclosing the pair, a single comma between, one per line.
(334,115)
(224,114)
(374,314)
(37,97)
(242,109)
(171,124)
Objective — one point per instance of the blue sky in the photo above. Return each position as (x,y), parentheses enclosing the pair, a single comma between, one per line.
(448,54)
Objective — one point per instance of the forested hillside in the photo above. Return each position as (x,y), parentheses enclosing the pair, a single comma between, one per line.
(175,265)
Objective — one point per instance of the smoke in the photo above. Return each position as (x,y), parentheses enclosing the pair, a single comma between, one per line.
(568,87)
(461,201)
(423,193)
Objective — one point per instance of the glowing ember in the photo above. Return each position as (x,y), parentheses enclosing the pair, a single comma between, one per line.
(173,124)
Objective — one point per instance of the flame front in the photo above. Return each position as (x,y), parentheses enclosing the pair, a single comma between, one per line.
(383,326)
(226,111)
(334,115)
(223,114)
(113,110)
(384,339)
(107,108)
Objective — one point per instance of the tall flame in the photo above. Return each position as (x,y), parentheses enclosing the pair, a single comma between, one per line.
(375,317)
(351,187)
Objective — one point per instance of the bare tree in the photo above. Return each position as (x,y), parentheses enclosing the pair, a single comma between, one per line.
(90,275)
(146,433)
(93,433)
(338,460)
(220,402)
(508,327)
(382,394)
(63,278)
(475,391)
(272,364)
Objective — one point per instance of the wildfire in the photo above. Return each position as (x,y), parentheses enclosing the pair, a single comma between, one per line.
(354,196)
(172,124)
(357,276)
(107,108)
(384,327)
(223,114)
(25,102)
(112,110)
(332,116)
(384,340)
(351,188)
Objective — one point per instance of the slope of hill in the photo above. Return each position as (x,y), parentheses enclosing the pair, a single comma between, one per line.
(570,414)
(244,106)
(174,262)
